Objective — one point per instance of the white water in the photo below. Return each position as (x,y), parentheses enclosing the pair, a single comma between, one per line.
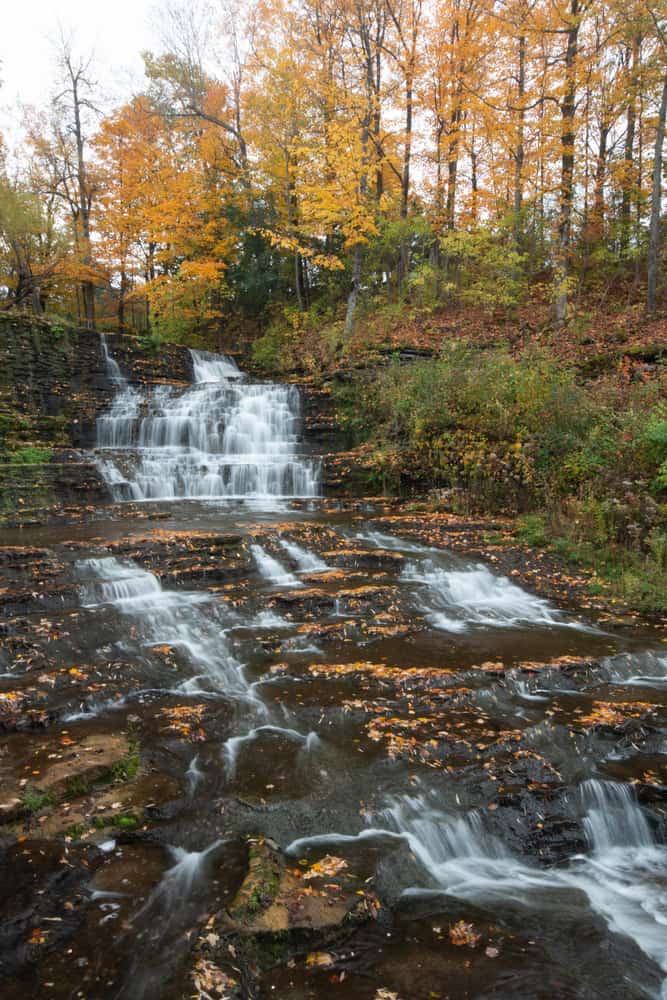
(232,746)
(461,598)
(208,367)
(194,774)
(112,367)
(624,877)
(187,621)
(219,438)
(641,668)
(272,570)
(307,562)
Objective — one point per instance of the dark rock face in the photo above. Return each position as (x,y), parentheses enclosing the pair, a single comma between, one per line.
(54,384)
(53,380)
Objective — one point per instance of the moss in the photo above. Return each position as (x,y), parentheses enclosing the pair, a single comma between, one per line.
(36,801)
(30,455)
(127,768)
(127,821)
(76,831)
(76,787)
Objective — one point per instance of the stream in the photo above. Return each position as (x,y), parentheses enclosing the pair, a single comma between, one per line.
(315,673)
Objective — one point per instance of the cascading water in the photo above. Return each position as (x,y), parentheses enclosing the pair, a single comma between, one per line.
(622,875)
(176,618)
(222,437)
(307,562)
(457,598)
(271,569)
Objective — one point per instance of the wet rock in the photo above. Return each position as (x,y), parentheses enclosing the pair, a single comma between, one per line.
(281,910)
(55,771)
(375,559)
(313,600)
(95,758)
(36,876)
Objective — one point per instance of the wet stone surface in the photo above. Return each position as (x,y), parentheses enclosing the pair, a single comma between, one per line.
(322,750)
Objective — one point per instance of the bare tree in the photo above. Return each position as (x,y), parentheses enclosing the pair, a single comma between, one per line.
(74,109)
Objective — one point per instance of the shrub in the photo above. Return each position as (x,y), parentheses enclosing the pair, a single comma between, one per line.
(30,456)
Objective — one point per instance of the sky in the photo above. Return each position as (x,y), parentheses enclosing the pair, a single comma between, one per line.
(115,31)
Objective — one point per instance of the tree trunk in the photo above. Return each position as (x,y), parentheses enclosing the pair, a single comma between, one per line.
(404,261)
(84,198)
(656,199)
(568,108)
(519,152)
(597,214)
(121,300)
(628,164)
(353,297)
(27,290)
(452,170)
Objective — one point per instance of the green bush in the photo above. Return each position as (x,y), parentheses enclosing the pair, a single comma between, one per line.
(518,431)
(30,456)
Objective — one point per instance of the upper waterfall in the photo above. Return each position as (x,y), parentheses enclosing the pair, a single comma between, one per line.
(221,437)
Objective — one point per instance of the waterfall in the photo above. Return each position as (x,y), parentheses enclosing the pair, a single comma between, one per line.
(307,562)
(613,818)
(113,371)
(208,367)
(271,569)
(622,876)
(221,437)
(186,621)
(460,597)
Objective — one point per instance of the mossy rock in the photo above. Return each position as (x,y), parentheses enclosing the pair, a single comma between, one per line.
(276,899)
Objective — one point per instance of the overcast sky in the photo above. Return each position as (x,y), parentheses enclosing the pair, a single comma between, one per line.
(116,31)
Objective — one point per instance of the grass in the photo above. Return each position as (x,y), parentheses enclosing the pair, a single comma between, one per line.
(36,801)
(30,455)
(127,768)
(637,578)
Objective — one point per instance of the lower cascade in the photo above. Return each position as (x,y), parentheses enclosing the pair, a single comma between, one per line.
(222,437)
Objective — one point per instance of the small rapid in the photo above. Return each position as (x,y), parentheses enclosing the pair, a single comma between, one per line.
(624,875)
(186,621)
(456,599)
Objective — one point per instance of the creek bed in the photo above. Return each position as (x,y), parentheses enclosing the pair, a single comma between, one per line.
(184,683)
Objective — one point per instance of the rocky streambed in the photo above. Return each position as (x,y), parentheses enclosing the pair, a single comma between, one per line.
(314,748)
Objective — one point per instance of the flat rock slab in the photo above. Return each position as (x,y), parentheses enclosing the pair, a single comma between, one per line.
(89,761)
(62,769)
(275,898)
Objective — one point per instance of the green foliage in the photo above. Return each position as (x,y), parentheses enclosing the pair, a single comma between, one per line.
(654,439)
(30,455)
(76,787)
(127,821)
(531,529)
(127,768)
(484,268)
(75,831)
(268,352)
(34,800)
(517,431)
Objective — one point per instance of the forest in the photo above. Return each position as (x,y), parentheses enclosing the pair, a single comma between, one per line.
(307,162)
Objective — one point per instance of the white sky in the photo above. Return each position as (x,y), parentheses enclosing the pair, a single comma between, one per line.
(115,31)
